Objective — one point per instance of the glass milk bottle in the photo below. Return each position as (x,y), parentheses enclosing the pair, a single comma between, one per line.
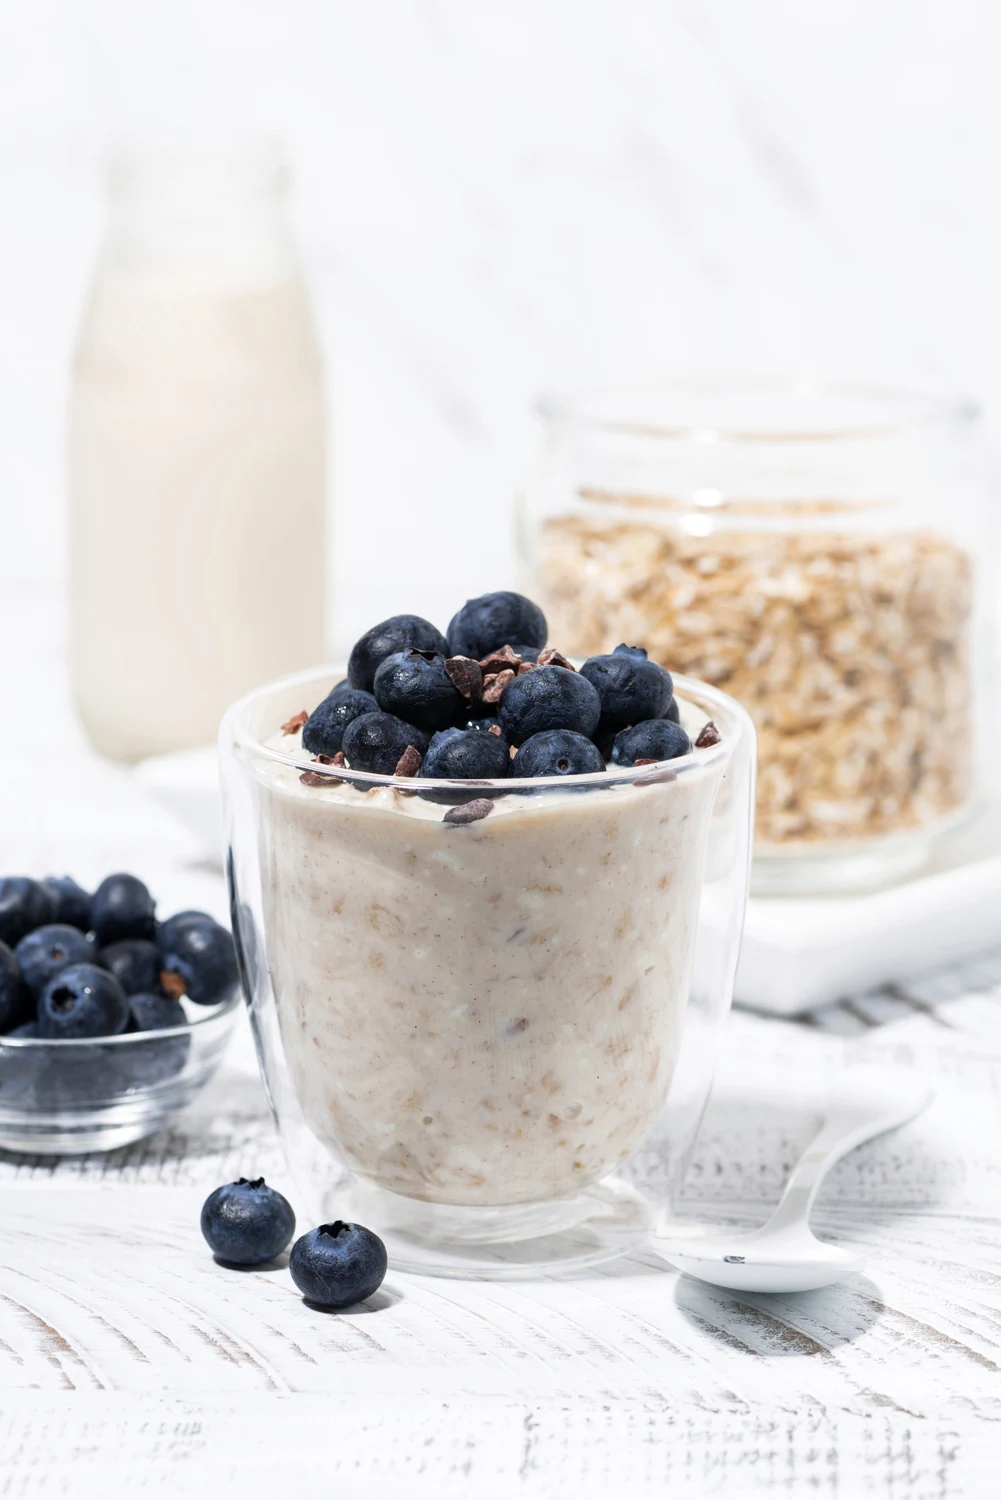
(196,452)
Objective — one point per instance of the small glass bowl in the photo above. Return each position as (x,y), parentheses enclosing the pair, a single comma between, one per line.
(66,1098)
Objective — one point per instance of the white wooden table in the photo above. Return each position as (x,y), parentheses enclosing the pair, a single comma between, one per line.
(131,1364)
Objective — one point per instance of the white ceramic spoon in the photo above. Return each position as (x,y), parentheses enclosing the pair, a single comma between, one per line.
(785,1255)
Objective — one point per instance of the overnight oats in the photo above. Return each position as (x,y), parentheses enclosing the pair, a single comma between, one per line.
(471,883)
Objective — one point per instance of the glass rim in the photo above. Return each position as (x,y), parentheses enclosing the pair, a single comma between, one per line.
(218,1012)
(904,410)
(233,732)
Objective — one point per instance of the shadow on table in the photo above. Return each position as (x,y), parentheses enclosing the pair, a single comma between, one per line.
(263,1268)
(379,1301)
(780,1324)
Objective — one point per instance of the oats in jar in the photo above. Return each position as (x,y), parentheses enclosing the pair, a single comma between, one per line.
(850,650)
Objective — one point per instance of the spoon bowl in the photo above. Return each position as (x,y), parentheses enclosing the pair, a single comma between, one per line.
(802,1265)
(785,1255)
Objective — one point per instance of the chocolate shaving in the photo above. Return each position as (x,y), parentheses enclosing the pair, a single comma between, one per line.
(494,686)
(173,984)
(499,659)
(553,658)
(646,760)
(512,751)
(653,777)
(525,666)
(314,778)
(495,729)
(409,762)
(465,674)
(709,735)
(469,812)
(293,725)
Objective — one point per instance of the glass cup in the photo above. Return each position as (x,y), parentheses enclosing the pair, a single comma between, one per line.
(490,1040)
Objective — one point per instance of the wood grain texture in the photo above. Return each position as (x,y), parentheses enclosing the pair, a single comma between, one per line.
(131,1363)
(551,1448)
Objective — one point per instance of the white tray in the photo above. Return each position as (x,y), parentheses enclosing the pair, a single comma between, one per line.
(797,953)
(801,952)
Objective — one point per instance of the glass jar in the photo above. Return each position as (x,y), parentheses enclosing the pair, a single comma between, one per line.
(196,452)
(824,554)
(487,1029)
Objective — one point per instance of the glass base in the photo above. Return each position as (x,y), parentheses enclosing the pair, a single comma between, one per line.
(65,1136)
(849,869)
(515,1240)
(835,874)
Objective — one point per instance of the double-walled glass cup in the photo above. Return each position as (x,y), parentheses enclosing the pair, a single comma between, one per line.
(487,1027)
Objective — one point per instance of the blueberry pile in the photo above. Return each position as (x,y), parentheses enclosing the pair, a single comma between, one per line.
(247,1223)
(488,700)
(75,965)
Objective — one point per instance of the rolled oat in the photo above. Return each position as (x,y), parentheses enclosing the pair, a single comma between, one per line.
(850,650)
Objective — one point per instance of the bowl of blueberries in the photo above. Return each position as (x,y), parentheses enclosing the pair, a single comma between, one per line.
(110,1021)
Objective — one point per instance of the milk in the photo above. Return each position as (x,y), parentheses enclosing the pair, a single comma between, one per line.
(196,451)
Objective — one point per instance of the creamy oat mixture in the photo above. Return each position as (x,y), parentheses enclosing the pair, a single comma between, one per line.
(489,1013)
(850,651)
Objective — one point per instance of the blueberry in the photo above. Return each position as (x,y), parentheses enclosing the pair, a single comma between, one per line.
(72,901)
(462,754)
(557,752)
(81,1077)
(415,686)
(166,929)
(375,742)
(394,634)
(639,652)
(631,688)
(323,731)
(152,1012)
(135,963)
(47,950)
(19,1066)
(338,1264)
(199,961)
(604,738)
(655,739)
(24,905)
(246,1222)
(16,1003)
(493,620)
(154,1059)
(672,712)
(549,698)
(122,908)
(82,1000)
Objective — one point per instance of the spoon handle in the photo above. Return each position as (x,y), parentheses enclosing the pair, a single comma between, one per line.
(865,1102)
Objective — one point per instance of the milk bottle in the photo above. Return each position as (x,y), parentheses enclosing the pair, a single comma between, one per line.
(196,452)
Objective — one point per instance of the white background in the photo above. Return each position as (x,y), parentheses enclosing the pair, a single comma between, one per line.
(495,196)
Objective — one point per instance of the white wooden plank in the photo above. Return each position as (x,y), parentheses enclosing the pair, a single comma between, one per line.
(375,1448)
